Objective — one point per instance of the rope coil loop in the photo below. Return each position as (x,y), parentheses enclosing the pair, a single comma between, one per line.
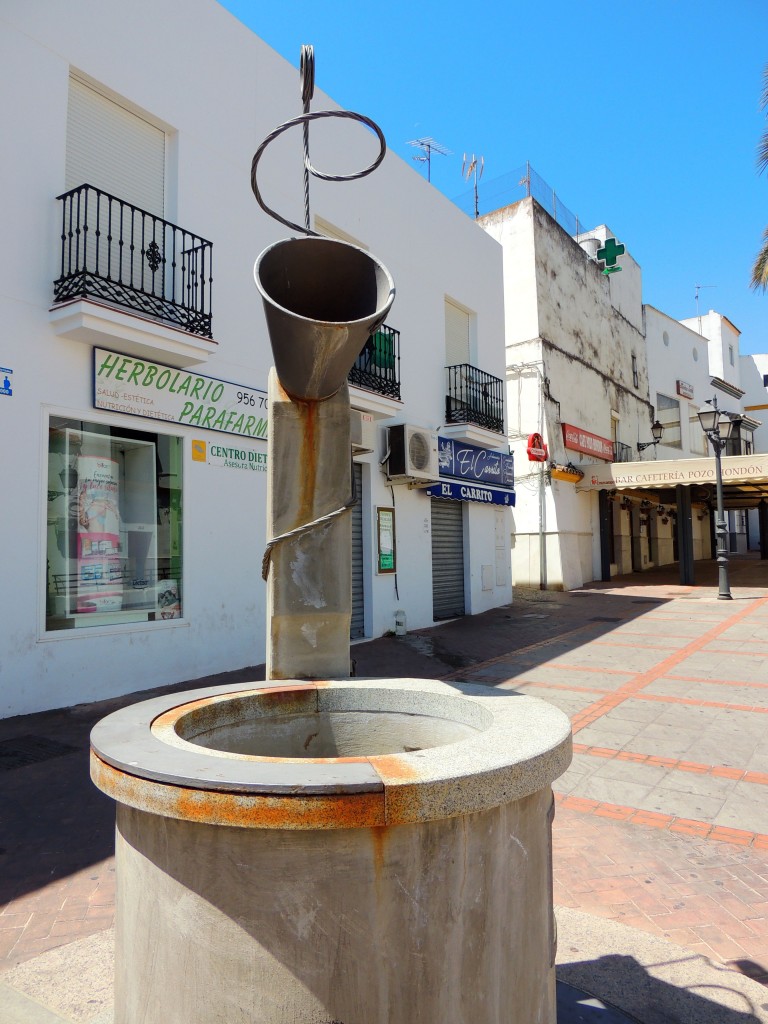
(307,72)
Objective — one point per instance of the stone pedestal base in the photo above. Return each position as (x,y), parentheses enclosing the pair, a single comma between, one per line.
(440,922)
(401,872)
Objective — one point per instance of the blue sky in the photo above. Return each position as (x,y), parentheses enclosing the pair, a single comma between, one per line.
(641,114)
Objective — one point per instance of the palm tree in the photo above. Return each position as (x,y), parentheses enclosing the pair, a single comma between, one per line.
(760,268)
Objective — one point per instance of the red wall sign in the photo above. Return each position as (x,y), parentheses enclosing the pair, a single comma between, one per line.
(684,389)
(579,440)
(537,450)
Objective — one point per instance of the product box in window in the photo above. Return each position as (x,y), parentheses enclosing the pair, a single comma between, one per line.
(168,599)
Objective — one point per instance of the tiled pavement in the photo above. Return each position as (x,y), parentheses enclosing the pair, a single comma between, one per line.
(662,820)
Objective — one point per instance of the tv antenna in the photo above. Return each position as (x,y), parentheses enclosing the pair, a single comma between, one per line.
(698,289)
(473,167)
(428,146)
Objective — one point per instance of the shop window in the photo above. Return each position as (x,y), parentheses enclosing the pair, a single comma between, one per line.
(114,550)
(668,413)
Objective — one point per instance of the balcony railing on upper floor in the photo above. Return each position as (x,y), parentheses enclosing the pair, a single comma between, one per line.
(377,368)
(474,396)
(623,452)
(113,252)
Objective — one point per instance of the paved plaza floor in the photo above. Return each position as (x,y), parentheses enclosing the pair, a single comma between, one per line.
(660,836)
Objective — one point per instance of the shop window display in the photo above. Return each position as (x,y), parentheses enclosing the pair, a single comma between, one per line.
(113,525)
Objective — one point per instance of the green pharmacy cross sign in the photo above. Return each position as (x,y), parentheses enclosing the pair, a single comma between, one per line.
(609,254)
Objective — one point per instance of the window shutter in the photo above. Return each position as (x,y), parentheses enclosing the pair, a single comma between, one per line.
(114,150)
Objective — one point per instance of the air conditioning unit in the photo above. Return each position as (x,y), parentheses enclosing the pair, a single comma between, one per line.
(412,455)
(362,430)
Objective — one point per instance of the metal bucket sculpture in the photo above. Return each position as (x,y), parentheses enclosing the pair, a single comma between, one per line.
(338,851)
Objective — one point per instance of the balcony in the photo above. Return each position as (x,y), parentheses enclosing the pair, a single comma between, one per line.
(623,452)
(130,278)
(474,397)
(377,368)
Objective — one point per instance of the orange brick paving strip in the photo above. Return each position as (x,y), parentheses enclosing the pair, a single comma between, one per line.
(717,682)
(711,897)
(700,885)
(642,679)
(660,698)
(459,673)
(70,908)
(702,829)
(665,647)
(718,771)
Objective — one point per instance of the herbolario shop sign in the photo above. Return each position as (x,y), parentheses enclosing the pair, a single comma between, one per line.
(139,387)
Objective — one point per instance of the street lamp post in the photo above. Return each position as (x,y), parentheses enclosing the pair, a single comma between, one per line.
(657,432)
(717,425)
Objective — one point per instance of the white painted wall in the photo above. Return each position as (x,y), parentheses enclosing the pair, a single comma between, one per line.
(722,337)
(753,371)
(677,353)
(214,123)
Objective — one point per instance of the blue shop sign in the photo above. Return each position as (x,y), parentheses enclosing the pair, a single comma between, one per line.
(471,492)
(463,461)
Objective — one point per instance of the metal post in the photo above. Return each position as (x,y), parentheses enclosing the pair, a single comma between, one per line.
(762,519)
(543,527)
(724,590)
(684,528)
(605,510)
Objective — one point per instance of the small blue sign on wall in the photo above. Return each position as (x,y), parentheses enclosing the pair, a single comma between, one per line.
(471,492)
(5,379)
(468,462)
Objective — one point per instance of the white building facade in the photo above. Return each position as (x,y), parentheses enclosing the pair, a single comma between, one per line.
(577,377)
(593,375)
(135,359)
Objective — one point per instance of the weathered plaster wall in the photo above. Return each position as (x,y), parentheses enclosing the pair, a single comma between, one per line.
(578,369)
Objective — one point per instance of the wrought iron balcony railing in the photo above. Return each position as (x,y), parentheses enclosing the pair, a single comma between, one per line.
(474,396)
(623,452)
(377,368)
(116,253)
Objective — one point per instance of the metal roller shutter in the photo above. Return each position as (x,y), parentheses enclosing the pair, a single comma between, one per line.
(114,149)
(447,559)
(357,625)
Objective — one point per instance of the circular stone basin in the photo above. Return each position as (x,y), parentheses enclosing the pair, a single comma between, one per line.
(258,725)
(329,753)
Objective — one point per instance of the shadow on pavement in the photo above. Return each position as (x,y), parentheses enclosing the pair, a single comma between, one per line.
(551,623)
(53,820)
(650,999)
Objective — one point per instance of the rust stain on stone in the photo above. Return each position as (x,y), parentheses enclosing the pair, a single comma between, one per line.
(308,416)
(379,839)
(239,810)
(393,768)
(269,695)
(283,694)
